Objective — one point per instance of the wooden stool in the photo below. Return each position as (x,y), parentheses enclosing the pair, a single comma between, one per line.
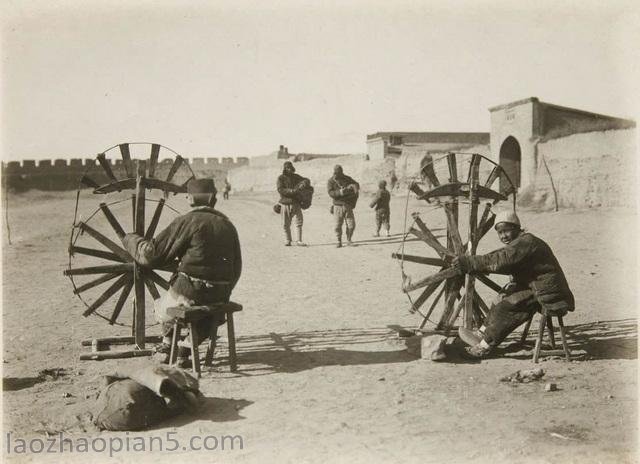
(546,320)
(186,316)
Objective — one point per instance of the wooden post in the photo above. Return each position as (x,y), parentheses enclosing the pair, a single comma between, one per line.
(139,226)
(474,174)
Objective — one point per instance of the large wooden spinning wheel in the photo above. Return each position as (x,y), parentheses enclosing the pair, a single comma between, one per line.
(453,202)
(125,179)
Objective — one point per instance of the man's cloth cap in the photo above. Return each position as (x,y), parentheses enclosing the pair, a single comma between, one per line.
(507,216)
(196,186)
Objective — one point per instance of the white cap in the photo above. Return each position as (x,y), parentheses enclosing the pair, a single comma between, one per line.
(507,216)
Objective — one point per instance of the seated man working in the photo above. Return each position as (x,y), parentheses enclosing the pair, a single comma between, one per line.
(537,282)
(206,245)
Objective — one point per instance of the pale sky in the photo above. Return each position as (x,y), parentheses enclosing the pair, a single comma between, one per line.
(235,78)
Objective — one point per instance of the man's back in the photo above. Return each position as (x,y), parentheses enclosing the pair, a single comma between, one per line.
(204,242)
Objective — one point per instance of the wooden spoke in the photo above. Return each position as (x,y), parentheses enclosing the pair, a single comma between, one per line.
(112,220)
(493,176)
(428,171)
(166,186)
(427,236)
(409,286)
(108,268)
(424,296)
(153,159)
(89,182)
(481,304)
(186,182)
(458,189)
(456,313)
(140,198)
(133,210)
(96,282)
(151,230)
(453,168)
(117,186)
(130,183)
(488,282)
(432,307)
(509,188)
(469,290)
(157,279)
(474,168)
(117,285)
(153,290)
(139,307)
(419,259)
(452,293)
(453,230)
(117,249)
(174,167)
(121,300)
(415,188)
(126,159)
(486,223)
(473,227)
(102,159)
(96,253)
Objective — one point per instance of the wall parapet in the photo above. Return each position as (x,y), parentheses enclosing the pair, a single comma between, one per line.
(64,174)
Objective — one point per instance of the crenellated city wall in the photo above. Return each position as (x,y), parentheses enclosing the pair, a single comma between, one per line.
(62,174)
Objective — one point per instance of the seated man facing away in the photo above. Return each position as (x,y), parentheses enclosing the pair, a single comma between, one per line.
(207,247)
(537,282)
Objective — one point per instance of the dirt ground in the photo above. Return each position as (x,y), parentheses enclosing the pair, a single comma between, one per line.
(323,376)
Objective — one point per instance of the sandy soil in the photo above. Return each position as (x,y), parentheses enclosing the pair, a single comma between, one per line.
(323,376)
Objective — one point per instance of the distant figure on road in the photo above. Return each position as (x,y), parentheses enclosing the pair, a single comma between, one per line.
(291,188)
(226,189)
(381,204)
(393,181)
(344,191)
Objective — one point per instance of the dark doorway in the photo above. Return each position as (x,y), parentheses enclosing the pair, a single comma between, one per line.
(510,162)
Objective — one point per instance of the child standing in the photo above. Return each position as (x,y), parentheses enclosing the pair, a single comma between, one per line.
(381,204)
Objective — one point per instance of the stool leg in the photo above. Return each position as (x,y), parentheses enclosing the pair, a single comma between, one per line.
(525,332)
(208,359)
(173,354)
(536,351)
(550,329)
(195,357)
(231,335)
(565,346)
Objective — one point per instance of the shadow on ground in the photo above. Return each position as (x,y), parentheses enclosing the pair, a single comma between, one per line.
(299,351)
(211,409)
(20,383)
(599,340)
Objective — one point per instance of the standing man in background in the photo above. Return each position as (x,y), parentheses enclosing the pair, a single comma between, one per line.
(290,185)
(344,191)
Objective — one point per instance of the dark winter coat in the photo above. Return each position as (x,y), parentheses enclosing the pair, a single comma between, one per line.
(343,190)
(532,264)
(204,242)
(288,188)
